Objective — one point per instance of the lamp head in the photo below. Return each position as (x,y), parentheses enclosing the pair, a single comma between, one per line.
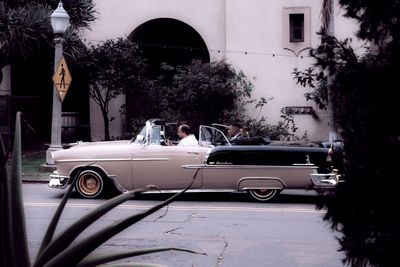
(59,19)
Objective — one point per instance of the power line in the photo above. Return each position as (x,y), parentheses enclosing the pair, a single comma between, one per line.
(193,48)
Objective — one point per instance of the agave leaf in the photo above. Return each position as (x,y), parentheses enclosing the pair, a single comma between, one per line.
(15,230)
(112,256)
(2,147)
(136,264)
(76,253)
(68,235)
(56,218)
(4,247)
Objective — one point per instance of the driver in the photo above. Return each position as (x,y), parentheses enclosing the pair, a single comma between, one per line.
(186,136)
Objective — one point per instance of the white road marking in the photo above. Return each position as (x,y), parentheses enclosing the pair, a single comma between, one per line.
(181,208)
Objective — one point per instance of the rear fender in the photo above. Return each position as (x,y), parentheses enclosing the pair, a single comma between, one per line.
(246,183)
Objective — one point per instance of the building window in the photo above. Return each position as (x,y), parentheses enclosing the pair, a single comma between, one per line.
(296,29)
(296,22)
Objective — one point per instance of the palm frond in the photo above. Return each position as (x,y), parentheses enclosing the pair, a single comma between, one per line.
(326,13)
(74,48)
(24,30)
(81,12)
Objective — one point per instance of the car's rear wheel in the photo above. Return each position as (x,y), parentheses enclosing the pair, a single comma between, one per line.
(262,194)
(89,184)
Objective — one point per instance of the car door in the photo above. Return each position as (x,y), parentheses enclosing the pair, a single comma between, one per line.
(162,166)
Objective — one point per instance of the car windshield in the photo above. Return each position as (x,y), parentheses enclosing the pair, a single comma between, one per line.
(150,134)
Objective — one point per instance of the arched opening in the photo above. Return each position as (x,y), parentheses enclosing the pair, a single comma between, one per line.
(169,41)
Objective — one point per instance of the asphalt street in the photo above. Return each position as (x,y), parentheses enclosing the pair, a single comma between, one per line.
(225,229)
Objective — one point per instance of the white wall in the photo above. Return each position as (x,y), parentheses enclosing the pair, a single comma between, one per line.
(96,119)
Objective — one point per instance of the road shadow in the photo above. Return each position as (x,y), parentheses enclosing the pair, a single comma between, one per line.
(286,196)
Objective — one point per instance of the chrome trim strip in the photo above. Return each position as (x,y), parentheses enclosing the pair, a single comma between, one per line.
(92,160)
(150,159)
(205,166)
(258,188)
(174,191)
(117,159)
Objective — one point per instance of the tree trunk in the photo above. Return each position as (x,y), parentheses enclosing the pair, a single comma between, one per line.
(106,124)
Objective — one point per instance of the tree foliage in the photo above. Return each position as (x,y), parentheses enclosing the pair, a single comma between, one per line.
(25,27)
(112,67)
(315,80)
(364,98)
(204,93)
(198,93)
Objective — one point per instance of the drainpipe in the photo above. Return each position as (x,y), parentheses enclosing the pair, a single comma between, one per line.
(225,32)
(333,135)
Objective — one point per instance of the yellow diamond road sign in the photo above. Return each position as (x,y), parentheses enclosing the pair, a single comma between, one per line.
(62,79)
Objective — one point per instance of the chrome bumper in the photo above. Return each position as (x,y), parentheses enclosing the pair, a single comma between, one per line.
(325,181)
(58,181)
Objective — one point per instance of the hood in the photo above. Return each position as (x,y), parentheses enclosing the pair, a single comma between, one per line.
(100,144)
(95,150)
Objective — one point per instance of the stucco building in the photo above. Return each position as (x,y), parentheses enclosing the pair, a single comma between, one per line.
(267,40)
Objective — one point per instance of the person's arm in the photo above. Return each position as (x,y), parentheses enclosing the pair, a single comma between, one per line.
(169,143)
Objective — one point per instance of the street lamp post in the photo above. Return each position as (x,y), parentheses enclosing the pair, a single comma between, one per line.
(59,23)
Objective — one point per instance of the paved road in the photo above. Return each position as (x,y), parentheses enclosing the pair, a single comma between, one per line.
(230,229)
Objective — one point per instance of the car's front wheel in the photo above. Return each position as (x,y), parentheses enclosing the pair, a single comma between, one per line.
(89,184)
(262,194)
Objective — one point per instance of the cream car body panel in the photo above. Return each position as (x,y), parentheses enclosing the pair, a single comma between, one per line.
(162,166)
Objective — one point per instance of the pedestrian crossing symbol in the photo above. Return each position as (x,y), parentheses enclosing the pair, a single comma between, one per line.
(62,79)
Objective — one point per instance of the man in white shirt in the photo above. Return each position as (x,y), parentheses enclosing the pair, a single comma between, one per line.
(187,138)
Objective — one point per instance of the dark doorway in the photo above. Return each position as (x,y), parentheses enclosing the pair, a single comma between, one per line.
(169,41)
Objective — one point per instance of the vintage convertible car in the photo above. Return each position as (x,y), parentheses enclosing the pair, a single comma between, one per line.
(215,165)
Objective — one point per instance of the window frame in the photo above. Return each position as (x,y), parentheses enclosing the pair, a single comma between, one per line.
(296,45)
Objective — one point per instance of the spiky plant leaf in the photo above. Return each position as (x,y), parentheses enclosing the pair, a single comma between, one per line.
(113,256)
(56,218)
(49,249)
(76,253)
(15,238)
(136,264)
(3,205)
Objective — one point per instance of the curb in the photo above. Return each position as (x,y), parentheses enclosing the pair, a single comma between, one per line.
(35,181)
(35,177)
